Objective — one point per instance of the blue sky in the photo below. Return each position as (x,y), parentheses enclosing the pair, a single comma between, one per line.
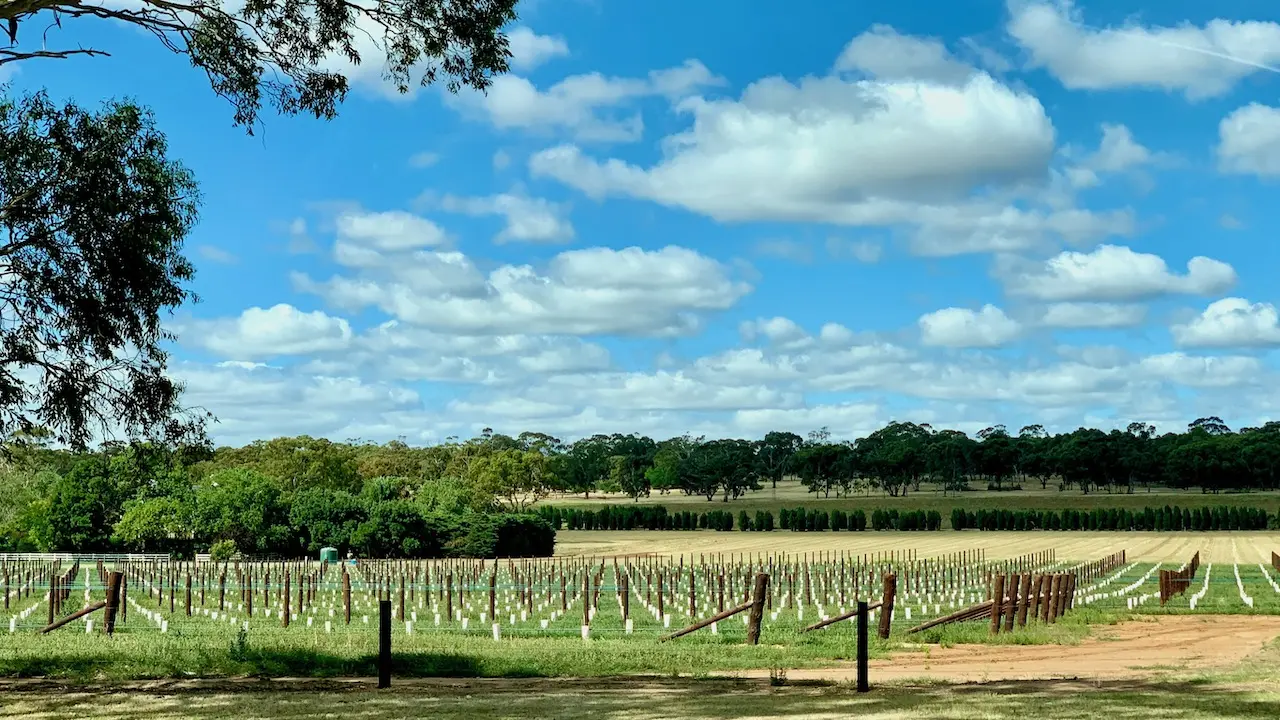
(675,219)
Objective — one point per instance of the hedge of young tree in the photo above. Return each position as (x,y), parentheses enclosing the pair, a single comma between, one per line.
(1158,518)
(657,517)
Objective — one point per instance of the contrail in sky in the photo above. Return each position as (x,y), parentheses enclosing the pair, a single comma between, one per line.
(1179,46)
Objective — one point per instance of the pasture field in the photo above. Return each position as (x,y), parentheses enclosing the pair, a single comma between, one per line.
(790,493)
(1140,545)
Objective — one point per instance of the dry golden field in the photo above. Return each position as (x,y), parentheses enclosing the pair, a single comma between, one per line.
(1253,547)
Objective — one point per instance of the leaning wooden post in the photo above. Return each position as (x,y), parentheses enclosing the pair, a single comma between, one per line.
(756,615)
(113,603)
(886,604)
(997,603)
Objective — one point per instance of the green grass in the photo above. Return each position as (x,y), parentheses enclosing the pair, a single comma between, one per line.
(201,647)
(791,494)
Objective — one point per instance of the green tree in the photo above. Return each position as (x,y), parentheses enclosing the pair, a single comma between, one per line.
(92,220)
(283,51)
(776,453)
(154,524)
(325,517)
(246,507)
(83,507)
(515,478)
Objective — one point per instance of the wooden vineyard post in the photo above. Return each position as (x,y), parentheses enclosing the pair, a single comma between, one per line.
(626,599)
(346,597)
(1024,600)
(1011,590)
(1054,582)
(997,602)
(222,591)
(756,615)
(400,608)
(493,590)
(113,603)
(1044,599)
(1064,591)
(661,612)
(886,604)
(863,683)
(384,643)
(284,609)
(693,595)
(188,599)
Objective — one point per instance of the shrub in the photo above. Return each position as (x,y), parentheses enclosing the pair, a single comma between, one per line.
(222,551)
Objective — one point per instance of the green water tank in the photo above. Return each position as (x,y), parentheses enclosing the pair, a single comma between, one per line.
(328,555)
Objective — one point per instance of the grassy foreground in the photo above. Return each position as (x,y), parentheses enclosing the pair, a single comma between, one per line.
(270,652)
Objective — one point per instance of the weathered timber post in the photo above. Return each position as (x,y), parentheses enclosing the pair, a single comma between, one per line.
(997,602)
(113,603)
(1011,589)
(346,597)
(626,598)
(1024,600)
(886,604)
(493,590)
(756,616)
(1054,583)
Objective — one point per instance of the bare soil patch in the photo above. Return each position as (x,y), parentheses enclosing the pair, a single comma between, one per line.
(1140,649)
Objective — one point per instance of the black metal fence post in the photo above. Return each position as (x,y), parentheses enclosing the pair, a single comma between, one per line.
(384,643)
(863,684)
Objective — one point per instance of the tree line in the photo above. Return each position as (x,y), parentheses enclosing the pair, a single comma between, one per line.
(295,494)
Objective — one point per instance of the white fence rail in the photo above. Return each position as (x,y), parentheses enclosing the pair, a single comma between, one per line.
(84,557)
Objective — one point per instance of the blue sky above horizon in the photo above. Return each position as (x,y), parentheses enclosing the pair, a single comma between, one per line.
(672,218)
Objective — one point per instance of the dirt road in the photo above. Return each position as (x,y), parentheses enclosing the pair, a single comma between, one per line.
(1131,650)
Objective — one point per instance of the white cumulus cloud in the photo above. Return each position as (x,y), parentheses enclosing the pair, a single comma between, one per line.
(1231,322)
(1249,141)
(1111,273)
(1200,61)
(962,327)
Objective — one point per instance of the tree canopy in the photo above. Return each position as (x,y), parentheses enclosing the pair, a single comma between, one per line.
(93,215)
(290,53)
